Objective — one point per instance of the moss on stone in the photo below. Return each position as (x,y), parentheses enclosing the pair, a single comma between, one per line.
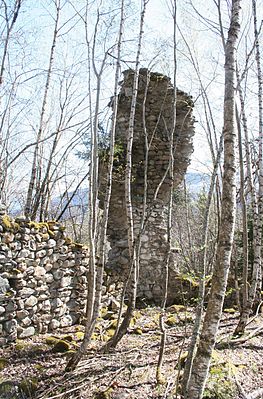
(21,345)
(68,240)
(9,224)
(52,223)
(16,227)
(69,353)
(176,308)
(186,317)
(137,331)
(3,363)
(51,340)
(78,245)
(108,315)
(34,225)
(113,324)
(94,337)
(79,335)
(109,334)
(171,321)
(230,310)
(45,236)
(61,346)
(28,386)
(6,222)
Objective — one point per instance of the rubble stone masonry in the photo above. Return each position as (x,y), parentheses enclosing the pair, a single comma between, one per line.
(42,278)
(154,120)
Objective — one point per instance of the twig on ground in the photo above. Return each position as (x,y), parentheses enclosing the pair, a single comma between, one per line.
(256,314)
(257,394)
(237,341)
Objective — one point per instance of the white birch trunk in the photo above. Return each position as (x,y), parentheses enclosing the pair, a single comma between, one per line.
(206,344)
(172,149)
(34,170)
(133,254)
(258,219)
(96,270)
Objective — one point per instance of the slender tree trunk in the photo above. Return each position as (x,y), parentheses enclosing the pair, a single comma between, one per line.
(252,195)
(96,272)
(203,264)
(244,215)
(133,253)
(206,344)
(34,170)
(172,149)
(9,26)
(10,22)
(257,225)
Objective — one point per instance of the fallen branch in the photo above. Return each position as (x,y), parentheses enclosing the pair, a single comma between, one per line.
(237,341)
(256,315)
(257,394)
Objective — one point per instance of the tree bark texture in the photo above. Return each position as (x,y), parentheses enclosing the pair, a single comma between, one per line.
(258,218)
(226,230)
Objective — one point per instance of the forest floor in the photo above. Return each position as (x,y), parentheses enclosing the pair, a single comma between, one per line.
(34,367)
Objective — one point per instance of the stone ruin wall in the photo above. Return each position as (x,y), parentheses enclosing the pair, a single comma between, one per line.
(155,101)
(43,274)
(42,278)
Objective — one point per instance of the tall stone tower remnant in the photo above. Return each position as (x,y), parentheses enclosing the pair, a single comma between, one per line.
(154,118)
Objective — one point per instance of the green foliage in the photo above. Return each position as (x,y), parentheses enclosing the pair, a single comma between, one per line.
(177,308)
(103,142)
(171,321)
(201,201)
(21,345)
(109,334)
(6,222)
(9,224)
(28,386)
(230,310)
(3,363)
(79,335)
(51,340)
(191,278)
(220,383)
(137,331)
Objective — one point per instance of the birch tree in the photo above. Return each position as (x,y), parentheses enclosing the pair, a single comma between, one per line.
(96,269)
(206,344)
(250,294)
(35,170)
(9,15)
(172,149)
(133,251)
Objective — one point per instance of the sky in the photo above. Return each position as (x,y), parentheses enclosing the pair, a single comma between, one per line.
(31,45)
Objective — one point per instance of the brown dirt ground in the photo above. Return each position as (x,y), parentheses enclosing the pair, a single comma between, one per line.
(129,371)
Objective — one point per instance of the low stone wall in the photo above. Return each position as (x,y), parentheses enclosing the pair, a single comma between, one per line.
(42,278)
